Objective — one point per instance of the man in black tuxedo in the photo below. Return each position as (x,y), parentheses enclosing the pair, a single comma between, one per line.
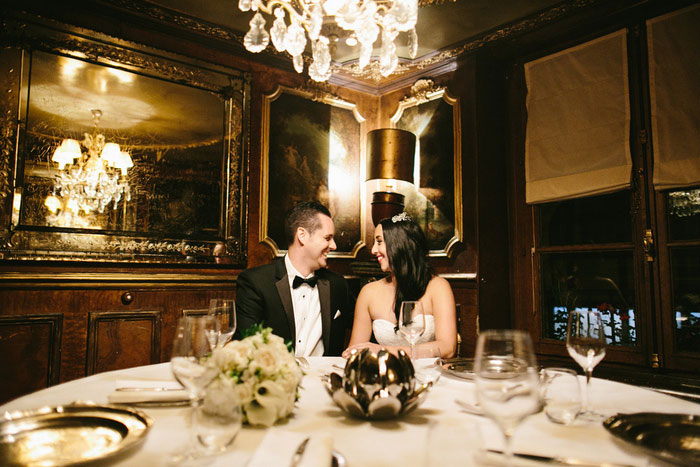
(301,300)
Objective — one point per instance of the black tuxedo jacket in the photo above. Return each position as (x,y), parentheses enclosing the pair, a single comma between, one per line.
(263,295)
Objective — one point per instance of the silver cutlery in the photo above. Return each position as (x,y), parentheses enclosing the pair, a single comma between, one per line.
(299,452)
(559,460)
(473,409)
(136,389)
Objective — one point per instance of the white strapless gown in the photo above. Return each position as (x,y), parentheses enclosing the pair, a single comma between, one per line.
(385,335)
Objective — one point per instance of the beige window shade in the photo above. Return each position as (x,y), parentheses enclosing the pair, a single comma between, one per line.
(577,141)
(674,82)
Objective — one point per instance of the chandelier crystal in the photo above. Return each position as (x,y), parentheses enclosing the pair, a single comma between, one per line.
(365,20)
(89,181)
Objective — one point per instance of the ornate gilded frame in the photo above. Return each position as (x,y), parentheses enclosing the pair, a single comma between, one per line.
(20,37)
(424,94)
(313,96)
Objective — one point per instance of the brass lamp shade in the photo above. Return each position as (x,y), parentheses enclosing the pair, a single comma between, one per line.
(390,154)
(390,157)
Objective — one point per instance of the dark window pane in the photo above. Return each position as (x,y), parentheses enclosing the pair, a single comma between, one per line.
(685,270)
(598,280)
(684,214)
(597,219)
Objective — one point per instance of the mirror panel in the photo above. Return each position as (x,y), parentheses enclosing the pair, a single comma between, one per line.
(182,195)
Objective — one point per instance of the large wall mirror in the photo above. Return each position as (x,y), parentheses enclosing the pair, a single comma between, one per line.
(117,152)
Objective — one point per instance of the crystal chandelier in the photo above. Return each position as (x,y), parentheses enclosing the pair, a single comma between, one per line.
(92,180)
(684,203)
(364,19)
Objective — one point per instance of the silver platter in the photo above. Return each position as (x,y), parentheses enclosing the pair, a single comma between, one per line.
(459,367)
(672,437)
(69,435)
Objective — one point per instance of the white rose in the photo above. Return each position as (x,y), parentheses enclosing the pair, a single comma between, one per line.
(256,340)
(266,360)
(233,356)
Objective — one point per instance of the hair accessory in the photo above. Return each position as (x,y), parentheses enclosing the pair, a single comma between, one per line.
(400,217)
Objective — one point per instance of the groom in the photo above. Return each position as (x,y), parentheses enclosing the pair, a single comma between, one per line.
(301,300)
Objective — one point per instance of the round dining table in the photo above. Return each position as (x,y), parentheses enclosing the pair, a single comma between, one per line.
(439,432)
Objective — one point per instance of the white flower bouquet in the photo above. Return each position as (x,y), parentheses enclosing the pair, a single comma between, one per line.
(263,371)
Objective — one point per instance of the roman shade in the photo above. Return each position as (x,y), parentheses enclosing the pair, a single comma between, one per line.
(674,84)
(577,141)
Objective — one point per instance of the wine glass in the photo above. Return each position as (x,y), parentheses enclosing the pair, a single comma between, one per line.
(411,322)
(191,347)
(224,310)
(585,342)
(506,379)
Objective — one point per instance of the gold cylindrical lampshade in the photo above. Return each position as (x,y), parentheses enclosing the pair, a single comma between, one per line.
(390,153)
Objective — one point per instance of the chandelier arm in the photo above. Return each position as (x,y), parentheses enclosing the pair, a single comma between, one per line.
(270,6)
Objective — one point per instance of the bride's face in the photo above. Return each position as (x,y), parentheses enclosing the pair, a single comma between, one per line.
(379,249)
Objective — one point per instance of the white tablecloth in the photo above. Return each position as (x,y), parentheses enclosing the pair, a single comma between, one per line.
(435,434)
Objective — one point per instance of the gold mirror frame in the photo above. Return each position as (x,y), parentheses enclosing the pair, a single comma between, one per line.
(344,218)
(422,95)
(23,36)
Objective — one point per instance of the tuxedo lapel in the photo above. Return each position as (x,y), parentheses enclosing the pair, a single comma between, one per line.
(285,294)
(324,295)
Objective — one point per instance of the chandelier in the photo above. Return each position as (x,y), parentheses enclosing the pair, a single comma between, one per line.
(684,203)
(365,20)
(89,181)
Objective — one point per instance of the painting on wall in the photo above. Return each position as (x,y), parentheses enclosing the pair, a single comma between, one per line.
(313,149)
(434,199)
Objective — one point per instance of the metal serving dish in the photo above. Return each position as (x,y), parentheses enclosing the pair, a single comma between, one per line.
(672,437)
(377,386)
(459,367)
(69,435)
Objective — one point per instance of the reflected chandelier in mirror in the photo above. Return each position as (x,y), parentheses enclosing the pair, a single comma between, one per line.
(161,175)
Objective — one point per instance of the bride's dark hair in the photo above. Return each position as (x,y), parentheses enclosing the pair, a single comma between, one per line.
(407,251)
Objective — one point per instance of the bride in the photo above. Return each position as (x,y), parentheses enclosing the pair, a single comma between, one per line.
(401,250)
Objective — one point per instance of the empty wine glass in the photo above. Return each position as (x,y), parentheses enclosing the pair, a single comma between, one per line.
(224,310)
(585,342)
(506,380)
(411,323)
(191,347)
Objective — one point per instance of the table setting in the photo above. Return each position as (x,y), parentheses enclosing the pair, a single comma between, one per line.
(250,402)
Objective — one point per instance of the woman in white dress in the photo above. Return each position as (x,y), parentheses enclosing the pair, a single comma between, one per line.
(401,250)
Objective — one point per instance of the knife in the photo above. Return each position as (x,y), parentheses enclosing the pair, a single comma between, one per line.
(299,452)
(560,460)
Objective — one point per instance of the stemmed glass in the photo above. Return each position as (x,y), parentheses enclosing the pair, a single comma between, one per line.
(506,380)
(224,310)
(585,342)
(411,323)
(191,347)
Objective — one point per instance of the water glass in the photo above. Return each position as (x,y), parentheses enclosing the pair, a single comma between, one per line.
(561,394)
(224,311)
(411,323)
(426,362)
(506,380)
(218,418)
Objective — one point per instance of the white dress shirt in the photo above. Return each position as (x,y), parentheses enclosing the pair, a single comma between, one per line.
(307,315)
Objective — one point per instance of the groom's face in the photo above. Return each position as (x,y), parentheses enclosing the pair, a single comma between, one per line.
(320,242)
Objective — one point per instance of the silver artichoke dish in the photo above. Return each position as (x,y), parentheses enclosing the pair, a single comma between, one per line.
(377,386)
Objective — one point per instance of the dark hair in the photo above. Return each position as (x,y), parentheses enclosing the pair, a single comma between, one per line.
(407,251)
(304,215)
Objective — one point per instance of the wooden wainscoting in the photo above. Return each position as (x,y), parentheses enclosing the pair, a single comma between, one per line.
(57,327)
(122,339)
(30,346)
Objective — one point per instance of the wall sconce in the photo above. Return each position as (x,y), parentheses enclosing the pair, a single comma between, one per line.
(390,158)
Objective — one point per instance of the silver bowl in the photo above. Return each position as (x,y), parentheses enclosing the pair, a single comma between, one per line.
(377,386)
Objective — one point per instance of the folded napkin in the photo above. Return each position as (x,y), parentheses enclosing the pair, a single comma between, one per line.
(278,448)
(147,391)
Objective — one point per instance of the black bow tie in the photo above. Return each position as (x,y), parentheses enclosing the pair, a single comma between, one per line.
(309,280)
